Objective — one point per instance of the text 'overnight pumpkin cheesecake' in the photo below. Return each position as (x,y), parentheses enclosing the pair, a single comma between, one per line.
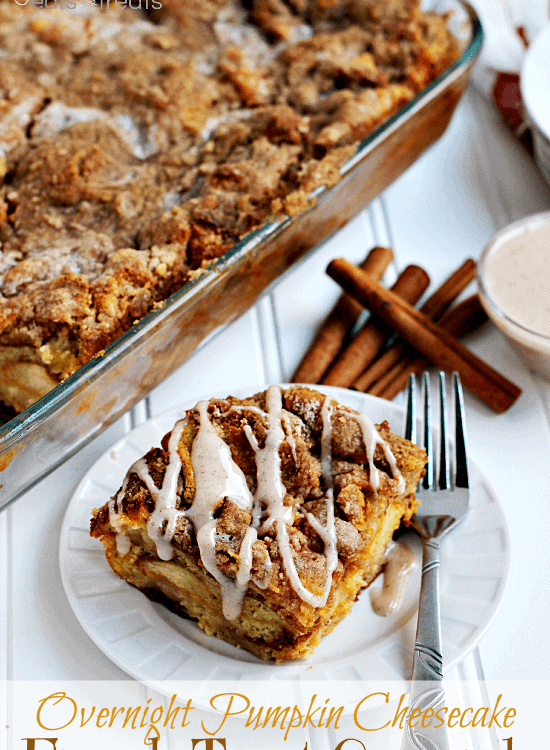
(263,518)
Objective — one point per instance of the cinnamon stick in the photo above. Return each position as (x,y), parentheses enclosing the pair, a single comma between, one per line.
(438,346)
(461,320)
(464,318)
(338,324)
(364,347)
(440,301)
(389,364)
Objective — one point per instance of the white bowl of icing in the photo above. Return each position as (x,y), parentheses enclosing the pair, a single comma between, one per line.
(514,284)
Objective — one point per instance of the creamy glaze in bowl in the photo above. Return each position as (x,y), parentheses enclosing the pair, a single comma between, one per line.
(514,284)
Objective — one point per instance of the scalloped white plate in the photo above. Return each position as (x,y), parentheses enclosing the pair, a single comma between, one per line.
(152,644)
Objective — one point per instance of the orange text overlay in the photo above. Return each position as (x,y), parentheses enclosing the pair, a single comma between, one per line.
(58,711)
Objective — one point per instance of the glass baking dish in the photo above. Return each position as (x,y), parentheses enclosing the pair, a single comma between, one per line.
(37,441)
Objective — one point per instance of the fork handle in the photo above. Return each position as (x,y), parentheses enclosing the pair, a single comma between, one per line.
(427,681)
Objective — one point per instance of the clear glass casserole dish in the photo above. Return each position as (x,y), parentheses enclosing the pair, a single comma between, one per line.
(70,415)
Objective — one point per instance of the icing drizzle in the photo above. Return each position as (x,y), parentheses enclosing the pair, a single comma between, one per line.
(401,561)
(218,477)
(371,439)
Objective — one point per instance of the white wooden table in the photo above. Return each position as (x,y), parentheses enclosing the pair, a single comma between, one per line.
(475,180)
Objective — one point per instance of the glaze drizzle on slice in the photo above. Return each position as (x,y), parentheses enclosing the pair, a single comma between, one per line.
(371,438)
(217,477)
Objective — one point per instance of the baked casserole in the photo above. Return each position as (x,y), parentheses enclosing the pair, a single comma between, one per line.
(135,149)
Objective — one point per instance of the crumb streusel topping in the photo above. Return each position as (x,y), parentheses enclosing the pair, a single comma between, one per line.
(134,151)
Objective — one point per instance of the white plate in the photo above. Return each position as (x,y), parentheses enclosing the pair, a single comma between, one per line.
(150,643)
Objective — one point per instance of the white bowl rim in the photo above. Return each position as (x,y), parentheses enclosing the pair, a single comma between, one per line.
(533,86)
(532,222)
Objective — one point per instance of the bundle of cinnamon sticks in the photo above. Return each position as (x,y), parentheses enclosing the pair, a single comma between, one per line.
(398,339)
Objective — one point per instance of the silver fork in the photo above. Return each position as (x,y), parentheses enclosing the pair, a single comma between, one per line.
(442,507)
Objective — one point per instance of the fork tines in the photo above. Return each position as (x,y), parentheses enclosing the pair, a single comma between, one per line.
(460,460)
